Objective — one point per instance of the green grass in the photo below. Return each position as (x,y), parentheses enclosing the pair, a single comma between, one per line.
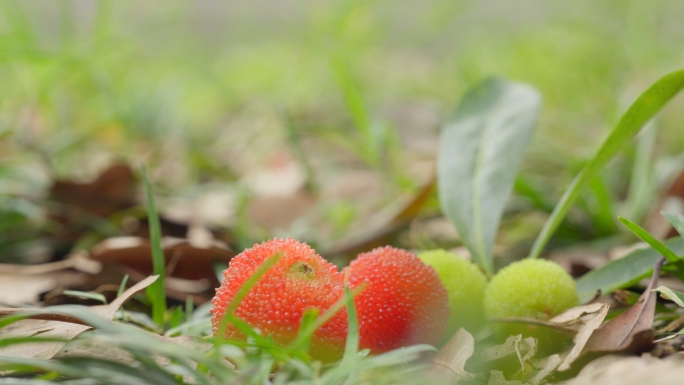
(156,292)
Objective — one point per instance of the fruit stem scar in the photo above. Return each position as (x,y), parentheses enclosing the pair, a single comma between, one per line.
(302,268)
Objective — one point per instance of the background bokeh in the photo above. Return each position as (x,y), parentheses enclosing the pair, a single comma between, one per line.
(308,119)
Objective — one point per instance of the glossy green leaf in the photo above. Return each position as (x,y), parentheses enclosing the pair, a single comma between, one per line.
(676,220)
(623,272)
(673,295)
(639,113)
(481,148)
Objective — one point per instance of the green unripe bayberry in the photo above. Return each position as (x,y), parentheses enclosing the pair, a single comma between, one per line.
(531,288)
(465,285)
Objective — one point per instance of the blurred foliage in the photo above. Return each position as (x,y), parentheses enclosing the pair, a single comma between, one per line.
(207,92)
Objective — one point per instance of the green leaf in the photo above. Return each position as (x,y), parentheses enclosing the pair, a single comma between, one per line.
(480,150)
(623,272)
(352,346)
(156,291)
(676,220)
(674,296)
(631,122)
(671,256)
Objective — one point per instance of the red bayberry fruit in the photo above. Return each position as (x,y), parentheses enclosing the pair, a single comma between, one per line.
(404,303)
(301,279)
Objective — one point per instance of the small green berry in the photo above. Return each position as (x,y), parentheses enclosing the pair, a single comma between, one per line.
(531,288)
(465,284)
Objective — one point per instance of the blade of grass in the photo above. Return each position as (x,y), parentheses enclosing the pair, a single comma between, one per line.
(641,111)
(308,318)
(665,251)
(352,346)
(348,365)
(155,292)
(640,232)
(641,187)
(603,214)
(673,295)
(86,295)
(122,286)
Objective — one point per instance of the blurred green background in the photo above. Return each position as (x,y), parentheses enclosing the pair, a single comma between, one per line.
(328,111)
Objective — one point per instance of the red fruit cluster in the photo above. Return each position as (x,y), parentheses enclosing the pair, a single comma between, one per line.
(403,303)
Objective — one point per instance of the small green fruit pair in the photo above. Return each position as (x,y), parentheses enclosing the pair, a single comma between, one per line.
(531,288)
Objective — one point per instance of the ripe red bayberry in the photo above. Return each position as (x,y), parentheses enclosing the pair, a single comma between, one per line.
(404,303)
(300,280)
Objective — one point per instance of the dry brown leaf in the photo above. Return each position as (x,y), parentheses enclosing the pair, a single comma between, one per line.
(279,212)
(524,348)
(449,364)
(55,325)
(77,203)
(551,364)
(621,370)
(570,322)
(584,333)
(23,284)
(576,316)
(632,330)
(569,330)
(183,259)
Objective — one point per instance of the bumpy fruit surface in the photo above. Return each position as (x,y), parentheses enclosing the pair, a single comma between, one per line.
(300,280)
(404,302)
(531,288)
(465,284)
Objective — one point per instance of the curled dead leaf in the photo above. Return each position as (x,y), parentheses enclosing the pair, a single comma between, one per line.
(50,324)
(449,364)
(631,331)
(585,332)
